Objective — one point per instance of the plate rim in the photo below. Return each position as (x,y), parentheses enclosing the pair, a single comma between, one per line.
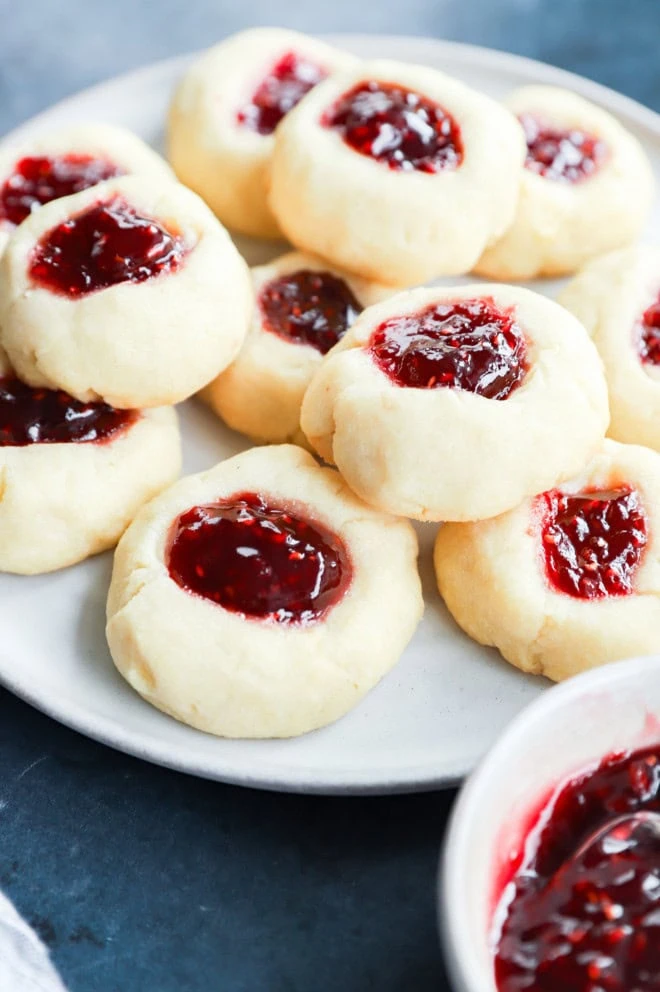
(339,781)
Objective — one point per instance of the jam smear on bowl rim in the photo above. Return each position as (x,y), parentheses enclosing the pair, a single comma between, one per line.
(593,542)
(578,919)
(309,307)
(259,558)
(106,244)
(38,179)
(397,126)
(567,155)
(289,80)
(468,344)
(33,415)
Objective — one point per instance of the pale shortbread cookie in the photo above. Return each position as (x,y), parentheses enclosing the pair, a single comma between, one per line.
(447,453)
(492,577)
(559,225)
(610,297)
(223,159)
(112,145)
(235,676)
(392,225)
(60,503)
(141,344)
(261,392)
(115,146)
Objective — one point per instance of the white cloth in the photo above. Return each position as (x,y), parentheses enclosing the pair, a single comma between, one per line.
(24,962)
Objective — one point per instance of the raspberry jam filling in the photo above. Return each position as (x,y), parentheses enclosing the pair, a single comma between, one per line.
(398,127)
(107,244)
(314,308)
(588,920)
(284,86)
(38,180)
(593,543)
(48,416)
(568,156)
(466,344)
(648,334)
(258,559)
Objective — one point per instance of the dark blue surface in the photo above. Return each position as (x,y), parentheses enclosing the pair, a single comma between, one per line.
(142,880)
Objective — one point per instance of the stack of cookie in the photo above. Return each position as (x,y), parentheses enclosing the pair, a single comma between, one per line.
(113,278)
(267,595)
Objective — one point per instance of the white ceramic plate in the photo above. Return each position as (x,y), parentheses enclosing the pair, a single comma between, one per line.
(432,718)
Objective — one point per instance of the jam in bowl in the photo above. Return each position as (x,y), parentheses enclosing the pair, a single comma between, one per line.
(550,875)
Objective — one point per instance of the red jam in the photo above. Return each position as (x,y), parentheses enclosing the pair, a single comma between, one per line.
(567,156)
(588,921)
(39,180)
(47,416)
(314,308)
(107,244)
(258,559)
(648,335)
(398,127)
(284,86)
(467,344)
(593,543)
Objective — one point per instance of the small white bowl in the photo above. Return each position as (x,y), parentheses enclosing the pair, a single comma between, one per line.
(568,729)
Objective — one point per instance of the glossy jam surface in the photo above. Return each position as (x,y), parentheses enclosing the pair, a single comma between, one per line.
(648,334)
(593,542)
(279,92)
(259,559)
(588,921)
(472,345)
(565,156)
(314,308)
(39,180)
(398,127)
(107,244)
(31,415)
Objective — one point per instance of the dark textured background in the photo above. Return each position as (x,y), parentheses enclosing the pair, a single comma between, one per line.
(142,880)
